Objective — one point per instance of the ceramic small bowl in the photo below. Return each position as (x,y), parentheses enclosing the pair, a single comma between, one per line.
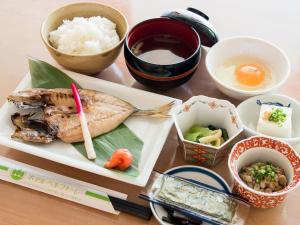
(273,57)
(156,76)
(249,110)
(204,111)
(264,149)
(92,63)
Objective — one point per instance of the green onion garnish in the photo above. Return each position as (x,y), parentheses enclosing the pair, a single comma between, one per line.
(263,170)
(277,116)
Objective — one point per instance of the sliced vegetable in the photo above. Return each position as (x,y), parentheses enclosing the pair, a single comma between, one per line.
(225,134)
(214,136)
(197,132)
(207,135)
(211,127)
(204,131)
(192,136)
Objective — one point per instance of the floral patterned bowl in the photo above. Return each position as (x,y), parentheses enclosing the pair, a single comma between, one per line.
(262,149)
(204,111)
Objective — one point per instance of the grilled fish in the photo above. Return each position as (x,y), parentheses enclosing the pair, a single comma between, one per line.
(54,114)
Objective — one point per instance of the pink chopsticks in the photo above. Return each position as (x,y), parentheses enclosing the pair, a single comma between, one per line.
(84,126)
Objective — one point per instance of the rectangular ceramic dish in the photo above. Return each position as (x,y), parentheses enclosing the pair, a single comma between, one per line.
(153,132)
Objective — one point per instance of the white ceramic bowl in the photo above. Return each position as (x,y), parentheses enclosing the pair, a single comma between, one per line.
(204,111)
(264,149)
(249,110)
(269,53)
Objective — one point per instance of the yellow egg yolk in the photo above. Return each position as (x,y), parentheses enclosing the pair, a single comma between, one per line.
(249,74)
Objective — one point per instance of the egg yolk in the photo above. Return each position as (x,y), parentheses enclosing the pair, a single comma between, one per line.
(249,74)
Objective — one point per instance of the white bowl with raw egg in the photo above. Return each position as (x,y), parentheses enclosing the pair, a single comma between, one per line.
(243,67)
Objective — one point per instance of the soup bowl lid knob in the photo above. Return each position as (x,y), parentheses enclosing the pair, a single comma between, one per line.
(198,20)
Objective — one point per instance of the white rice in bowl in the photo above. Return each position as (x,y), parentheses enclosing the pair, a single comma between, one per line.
(84,36)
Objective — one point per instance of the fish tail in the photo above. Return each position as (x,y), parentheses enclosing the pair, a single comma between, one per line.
(160,112)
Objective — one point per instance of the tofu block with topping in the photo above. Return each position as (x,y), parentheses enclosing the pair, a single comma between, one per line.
(275,121)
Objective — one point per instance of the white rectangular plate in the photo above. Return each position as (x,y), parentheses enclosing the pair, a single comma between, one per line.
(153,132)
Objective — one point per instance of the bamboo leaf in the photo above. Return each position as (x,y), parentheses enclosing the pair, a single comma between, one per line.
(44,75)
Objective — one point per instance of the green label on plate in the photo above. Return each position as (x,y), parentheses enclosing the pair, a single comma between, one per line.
(17,174)
(95,195)
(4,168)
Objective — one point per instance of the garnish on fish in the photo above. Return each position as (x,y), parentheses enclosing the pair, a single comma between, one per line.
(121,159)
(55,114)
